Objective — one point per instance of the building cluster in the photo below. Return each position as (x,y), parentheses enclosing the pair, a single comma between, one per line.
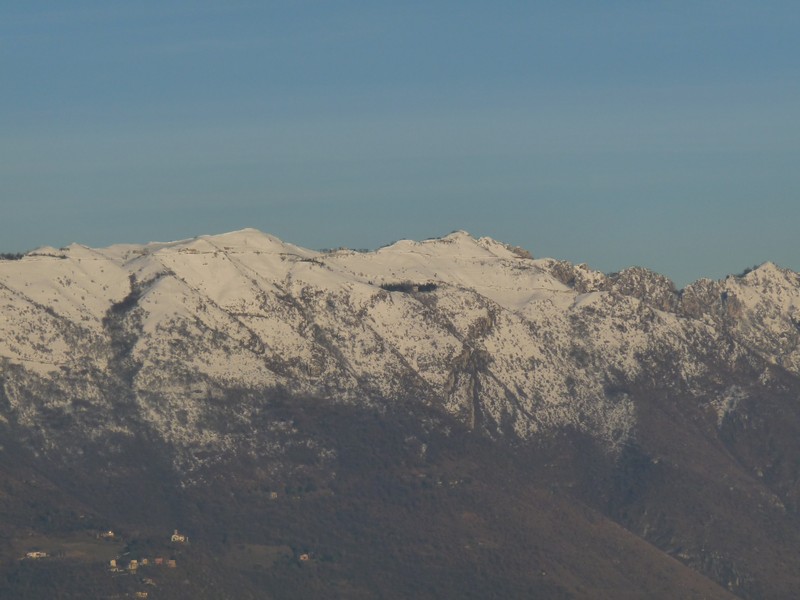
(117,565)
(134,564)
(159,561)
(179,538)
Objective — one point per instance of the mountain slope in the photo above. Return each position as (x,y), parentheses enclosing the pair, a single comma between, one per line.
(672,413)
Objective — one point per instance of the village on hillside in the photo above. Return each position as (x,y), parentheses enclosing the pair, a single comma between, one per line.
(145,566)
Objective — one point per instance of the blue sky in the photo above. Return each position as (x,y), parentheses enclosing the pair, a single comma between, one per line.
(662,134)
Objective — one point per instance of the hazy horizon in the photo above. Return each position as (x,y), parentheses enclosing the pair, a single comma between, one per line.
(613,134)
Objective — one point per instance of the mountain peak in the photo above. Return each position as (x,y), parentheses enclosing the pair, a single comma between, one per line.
(246,236)
(768,268)
(458,234)
(253,240)
(765,272)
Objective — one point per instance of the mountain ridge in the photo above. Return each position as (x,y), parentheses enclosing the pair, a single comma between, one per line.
(226,282)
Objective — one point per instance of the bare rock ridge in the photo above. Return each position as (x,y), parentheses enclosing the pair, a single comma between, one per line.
(186,347)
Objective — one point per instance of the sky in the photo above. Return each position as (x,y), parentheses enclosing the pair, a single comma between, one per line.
(615,133)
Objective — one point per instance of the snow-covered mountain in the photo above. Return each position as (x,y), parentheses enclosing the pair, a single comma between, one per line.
(220,364)
(507,343)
